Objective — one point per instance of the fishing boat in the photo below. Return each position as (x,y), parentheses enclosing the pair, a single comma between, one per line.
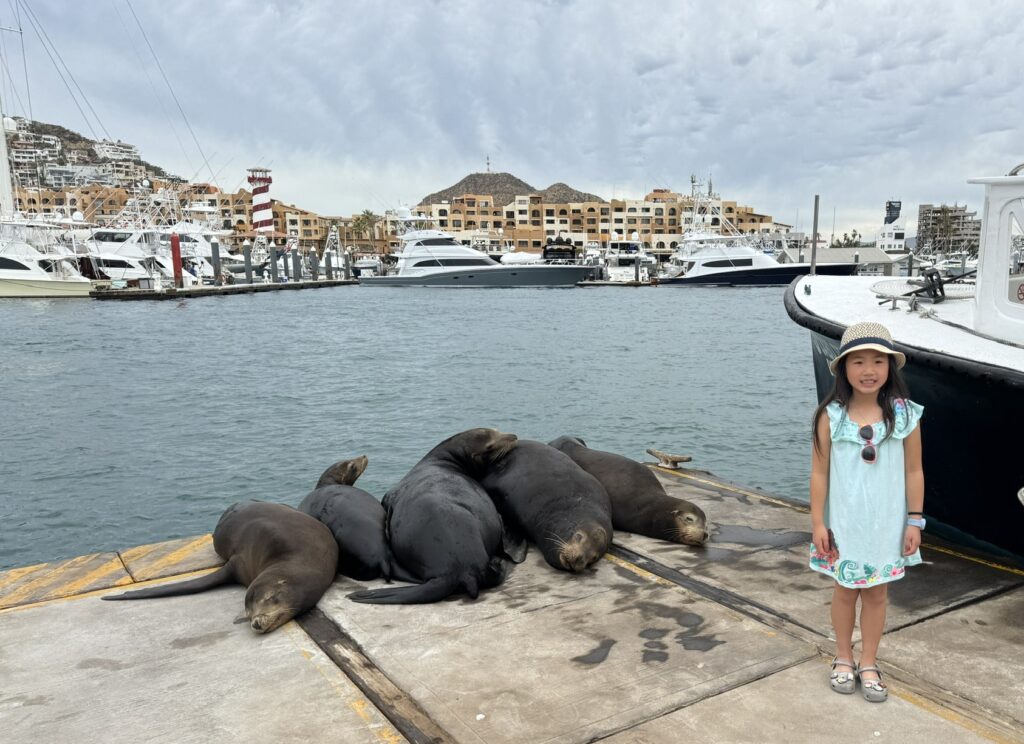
(964,344)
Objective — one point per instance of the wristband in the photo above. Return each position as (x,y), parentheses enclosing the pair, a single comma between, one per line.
(911,522)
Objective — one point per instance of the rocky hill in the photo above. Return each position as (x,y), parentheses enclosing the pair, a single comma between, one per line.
(505,187)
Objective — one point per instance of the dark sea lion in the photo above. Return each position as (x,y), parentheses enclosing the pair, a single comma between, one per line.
(639,502)
(443,527)
(285,557)
(356,519)
(560,507)
(343,472)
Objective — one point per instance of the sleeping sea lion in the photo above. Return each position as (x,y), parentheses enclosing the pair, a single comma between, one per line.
(443,527)
(560,507)
(286,558)
(639,502)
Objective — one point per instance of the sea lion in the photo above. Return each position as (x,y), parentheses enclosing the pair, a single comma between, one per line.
(560,507)
(356,519)
(443,527)
(639,502)
(286,558)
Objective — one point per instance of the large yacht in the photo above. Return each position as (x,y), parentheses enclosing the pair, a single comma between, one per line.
(434,258)
(964,344)
(27,272)
(734,260)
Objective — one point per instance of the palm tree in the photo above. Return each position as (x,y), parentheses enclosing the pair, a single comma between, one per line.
(365,223)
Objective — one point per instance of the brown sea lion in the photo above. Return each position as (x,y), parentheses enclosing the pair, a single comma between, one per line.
(443,527)
(561,508)
(286,558)
(639,502)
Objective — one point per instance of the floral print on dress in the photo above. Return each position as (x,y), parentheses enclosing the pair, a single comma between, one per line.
(853,573)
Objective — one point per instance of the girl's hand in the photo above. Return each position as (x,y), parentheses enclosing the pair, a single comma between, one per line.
(911,539)
(822,540)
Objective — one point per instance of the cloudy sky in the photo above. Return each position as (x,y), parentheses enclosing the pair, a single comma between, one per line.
(361,104)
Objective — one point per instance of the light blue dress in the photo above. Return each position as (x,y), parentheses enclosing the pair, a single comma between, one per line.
(866,508)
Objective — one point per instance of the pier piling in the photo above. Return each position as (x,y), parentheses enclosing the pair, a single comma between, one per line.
(247,254)
(314,265)
(296,264)
(273,263)
(215,255)
(327,265)
(176,260)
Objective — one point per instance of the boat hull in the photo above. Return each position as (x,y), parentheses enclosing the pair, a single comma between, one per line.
(48,288)
(758,277)
(501,276)
(971,464)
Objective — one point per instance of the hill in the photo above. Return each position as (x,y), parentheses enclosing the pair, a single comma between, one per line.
(504,187)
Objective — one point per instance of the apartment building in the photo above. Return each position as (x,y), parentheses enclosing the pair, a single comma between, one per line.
(529,220)
(947,228)
(115,150)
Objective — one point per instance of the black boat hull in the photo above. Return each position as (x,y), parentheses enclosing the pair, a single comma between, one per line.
(759,277)
(972,459)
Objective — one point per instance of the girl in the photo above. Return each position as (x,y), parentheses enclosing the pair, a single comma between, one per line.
(867,495)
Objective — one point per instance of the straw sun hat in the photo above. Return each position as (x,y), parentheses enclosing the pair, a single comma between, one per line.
(867,335)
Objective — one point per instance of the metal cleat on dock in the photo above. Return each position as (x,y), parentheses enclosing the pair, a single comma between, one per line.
(667,460)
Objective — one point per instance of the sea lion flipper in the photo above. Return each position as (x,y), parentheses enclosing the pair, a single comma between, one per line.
(513,543)
(434,590)
(223,575)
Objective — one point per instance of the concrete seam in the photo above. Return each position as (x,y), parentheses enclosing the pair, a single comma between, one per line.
(330,637)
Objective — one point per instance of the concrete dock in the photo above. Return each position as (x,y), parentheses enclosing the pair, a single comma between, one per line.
(658,643)
(172,293)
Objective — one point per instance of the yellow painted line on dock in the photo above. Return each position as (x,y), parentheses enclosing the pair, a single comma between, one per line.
(952,716)
(726,487)
(642,573)
(142,570)
(69,577)
(973,559)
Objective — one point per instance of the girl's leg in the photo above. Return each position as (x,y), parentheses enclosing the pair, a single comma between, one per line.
(873,603)
(844,613)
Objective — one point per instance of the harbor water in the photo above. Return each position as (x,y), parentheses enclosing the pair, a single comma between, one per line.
(128,423)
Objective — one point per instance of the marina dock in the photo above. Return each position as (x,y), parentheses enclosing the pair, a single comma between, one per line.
(172,293)
(657,643)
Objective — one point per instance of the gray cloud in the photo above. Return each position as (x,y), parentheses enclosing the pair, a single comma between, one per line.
(365,104)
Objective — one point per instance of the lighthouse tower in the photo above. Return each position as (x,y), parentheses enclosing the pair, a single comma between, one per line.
(262,216)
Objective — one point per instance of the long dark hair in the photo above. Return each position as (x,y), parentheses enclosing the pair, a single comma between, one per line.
(894,389)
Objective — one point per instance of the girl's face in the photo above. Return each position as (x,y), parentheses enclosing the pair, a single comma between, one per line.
(867,370)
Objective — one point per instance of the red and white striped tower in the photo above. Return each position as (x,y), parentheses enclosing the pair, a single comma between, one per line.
(262,216)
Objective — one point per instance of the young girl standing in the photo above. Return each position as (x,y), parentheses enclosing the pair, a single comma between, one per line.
(867,495)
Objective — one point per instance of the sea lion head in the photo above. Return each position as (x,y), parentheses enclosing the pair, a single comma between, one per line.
(482,448)
(566,440)
(270,602)
(587,543)
(689,525)
(343,472)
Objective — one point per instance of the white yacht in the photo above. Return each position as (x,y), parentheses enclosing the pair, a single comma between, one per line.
(28,272)
(629,261)
(434,258)
(964,344)
(734,260)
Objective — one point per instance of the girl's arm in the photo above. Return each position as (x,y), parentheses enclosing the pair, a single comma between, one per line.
(820,453)
(914,476)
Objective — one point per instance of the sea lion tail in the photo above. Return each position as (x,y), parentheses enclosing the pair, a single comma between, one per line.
(223,575)
(432,591)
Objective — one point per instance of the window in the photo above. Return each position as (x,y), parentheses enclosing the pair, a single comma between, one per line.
(6,263)
(730,262)
(549,213)
(427,262)
(466,262)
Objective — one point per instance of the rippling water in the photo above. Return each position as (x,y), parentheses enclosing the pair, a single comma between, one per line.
(127,423)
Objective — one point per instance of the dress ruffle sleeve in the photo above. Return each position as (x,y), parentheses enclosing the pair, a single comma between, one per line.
(840,425)
(908,414)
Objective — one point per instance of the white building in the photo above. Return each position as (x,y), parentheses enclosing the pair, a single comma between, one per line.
(116,150)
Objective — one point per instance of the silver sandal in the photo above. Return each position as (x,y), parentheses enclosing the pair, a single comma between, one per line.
(874,690)
(843,682)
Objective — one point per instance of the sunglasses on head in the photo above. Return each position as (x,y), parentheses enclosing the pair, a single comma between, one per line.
(869,452)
